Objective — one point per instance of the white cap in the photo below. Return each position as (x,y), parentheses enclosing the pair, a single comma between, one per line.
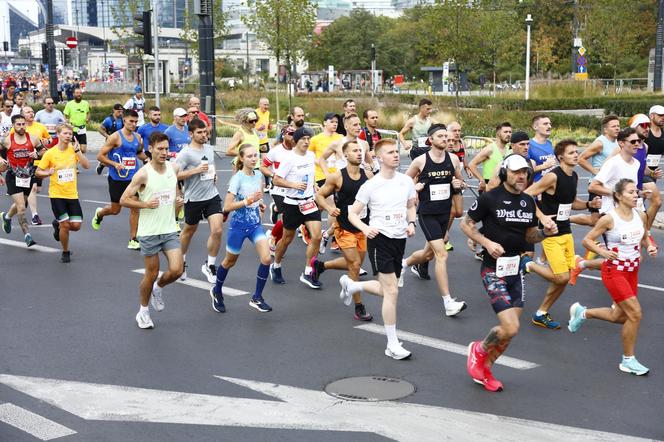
(656,109)
(515,162)
(179,112)
(638,119)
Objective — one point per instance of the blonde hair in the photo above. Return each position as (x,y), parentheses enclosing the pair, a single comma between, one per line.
(239,164)
(242,115)
(62,126)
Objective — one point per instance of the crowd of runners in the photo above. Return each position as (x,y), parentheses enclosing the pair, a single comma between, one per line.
(166,177)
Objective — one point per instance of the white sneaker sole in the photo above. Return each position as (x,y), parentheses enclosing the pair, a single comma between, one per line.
(302,279)
(257,307)
(398,357)
(456,311)
(212,279)
(630,371)
(144,325)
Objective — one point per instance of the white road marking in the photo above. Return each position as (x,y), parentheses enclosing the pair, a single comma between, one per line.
(21,245)
(292,408)
(228,291)
(32,423)
(446,346)
(643,286)
(105,203)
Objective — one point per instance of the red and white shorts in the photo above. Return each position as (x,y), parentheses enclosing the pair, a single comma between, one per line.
(621,278)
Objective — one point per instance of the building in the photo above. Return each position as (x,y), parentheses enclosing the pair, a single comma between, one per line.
(14,24)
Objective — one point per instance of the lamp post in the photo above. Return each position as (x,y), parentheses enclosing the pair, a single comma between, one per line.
(529,20)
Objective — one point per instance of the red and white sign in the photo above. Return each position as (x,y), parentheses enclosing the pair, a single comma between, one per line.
(71,42)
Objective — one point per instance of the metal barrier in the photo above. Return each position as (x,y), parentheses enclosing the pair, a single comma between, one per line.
(316,127)
(225,126)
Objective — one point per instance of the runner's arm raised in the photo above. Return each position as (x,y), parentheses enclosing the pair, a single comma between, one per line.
(332,184)
(402,133)
(330,150)
(604,224)
(480,158)
(234,144)
(593,149)
(111,143)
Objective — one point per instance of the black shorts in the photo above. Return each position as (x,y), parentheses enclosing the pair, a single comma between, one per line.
(434,226)
(386,254)
(82,139)
(67,210)
(279,202)
(13,189)
(196,211)
(293,218)
(591,196)
(116,189)
(320,183)
(39,181)
(648,179)
(504,293)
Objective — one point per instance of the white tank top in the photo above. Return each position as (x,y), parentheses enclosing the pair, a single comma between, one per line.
(626,235)
(342,162)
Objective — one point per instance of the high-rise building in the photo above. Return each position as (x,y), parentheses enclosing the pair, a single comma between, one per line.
(13,24)
(109,13)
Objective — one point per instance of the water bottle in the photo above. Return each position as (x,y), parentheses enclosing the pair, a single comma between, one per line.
(306,181)
(204,162)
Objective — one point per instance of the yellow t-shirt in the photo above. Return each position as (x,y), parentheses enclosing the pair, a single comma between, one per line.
(38,130)
(263,120)
(64,181)
(317,145)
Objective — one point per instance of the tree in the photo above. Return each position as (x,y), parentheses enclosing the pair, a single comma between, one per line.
(189,32)
(123,14)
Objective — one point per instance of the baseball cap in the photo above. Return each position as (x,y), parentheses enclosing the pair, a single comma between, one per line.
(657,109)
(519,136)
(637,120)
(117,106)
(179,112)
(288,129)
(301,132)
(329,116)
(138,90)
(515,162)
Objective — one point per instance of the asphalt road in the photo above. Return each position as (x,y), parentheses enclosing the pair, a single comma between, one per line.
(74,364)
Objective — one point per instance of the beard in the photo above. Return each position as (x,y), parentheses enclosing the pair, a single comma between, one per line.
(299,123)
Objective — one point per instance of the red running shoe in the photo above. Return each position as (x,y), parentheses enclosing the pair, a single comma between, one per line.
(475,362)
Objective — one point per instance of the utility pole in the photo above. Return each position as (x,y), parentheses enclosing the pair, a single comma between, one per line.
(659,46)
(204,10)
(50,44)
(157,75)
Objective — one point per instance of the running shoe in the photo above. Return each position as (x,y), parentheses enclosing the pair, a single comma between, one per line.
(100,168)
(454,307)
(323,242)
(210,272)
(633,366)
(65,257)
(96,222)
(363,272)
(361,313)
(317,266)
(28,240)
(143,320)
(345,294)
(479,256)
(397,352)
(56,230)
(418,271)
(576,271)
(448,246)
(157,298)
(36,220)
(259,304)
(275,275)
(306,238)
(576,318)
(133,245)
(274,215)
(6,223)
(217,301)
(310,281)
(400,280)
(523,263)
(545,321)
(489,382)
(476,361)
(183,276)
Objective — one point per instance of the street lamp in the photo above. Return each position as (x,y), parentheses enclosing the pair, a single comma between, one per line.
(529,20)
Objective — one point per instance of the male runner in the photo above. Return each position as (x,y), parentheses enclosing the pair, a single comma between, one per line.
(50,117)
(491,155)
(540,149)
(121,153)
(508,218)
(177,133)
(19,102)
(418,126)
(194,101)
(349,109)
(60,163)
(438,176)
(353,130)
(390,198)
(137,104)
(655,142)
(6,118)
(77,112)
(263,125)
(154,125)
(153,191)
(108,127)
(458,148)
(647,176)
(370,132)
(202,200)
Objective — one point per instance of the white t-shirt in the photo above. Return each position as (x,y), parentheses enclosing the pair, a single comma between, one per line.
(387,200)
(273,159)
(296,169)
(613,170)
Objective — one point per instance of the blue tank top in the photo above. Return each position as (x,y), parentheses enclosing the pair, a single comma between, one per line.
(124,154)
(540,153)
(607,147)
(640,156)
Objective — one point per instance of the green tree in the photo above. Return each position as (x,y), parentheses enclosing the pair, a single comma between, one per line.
(189,32)
(123,15)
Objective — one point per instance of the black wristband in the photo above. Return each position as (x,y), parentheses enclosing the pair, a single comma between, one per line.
(587,204)
(413,223)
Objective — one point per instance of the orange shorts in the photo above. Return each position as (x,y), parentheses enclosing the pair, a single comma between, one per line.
(350,240)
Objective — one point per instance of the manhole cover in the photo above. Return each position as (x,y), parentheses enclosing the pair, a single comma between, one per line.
(370,388)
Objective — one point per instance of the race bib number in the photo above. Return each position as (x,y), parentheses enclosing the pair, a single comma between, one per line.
(439,192)
(395,219)
(564,211)
(23,182)
(81,131)
(507,266)
(307,207)
(129,163)
(422,141)
(652,160)
(640,206)
(66,175)
(51,128)
(363,213)
(165,197)
(209,175)
(631,237)
(172,155)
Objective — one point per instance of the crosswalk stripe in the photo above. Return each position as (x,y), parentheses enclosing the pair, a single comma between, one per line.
(439,344)
(643,286)
(34,424)
(21,245)
(204,285)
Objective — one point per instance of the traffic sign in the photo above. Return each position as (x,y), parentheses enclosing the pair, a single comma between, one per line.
(582,69)
(71,42)
(581,60)
(583,76)
(582,51)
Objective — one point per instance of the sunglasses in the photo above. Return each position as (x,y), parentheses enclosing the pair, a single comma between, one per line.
(193,113)
(644,125)
(634,142)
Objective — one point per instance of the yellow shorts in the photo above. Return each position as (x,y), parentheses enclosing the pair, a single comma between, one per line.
(559,251)
(350,240)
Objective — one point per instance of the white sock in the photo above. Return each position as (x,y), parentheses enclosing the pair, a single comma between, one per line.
(403,263)
(354,287)
(144,309)
(276,265)
(184,258)
(582,264)
(391,332)
(447,298)
(307,270)
(540,313)
(211,260)
(583,314)
(628,358)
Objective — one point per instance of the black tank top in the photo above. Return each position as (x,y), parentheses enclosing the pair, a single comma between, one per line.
(655,145)
(559,204)
(345,197)
(436,196)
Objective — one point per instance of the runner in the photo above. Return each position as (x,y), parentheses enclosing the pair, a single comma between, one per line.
(350,108)
(647,177)
(295,119)
(458,148)
(137,104)
(121,153)
(246,134)
(245,200)
(177,133)
(154,125)
(60,163)
(370,132)
(19,102)
(263,125)
(202,201)
(390,198)
(508,222)
(418,126)
(108,127)
(438,176)
(6,118)
(343,186)
(353,130)
(491,156)
(624,230)
(50,117)
(296,174)
(153,191)
(77,112)
(194,101)
(540,149)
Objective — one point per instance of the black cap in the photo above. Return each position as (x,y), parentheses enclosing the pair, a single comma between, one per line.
(436,127)
(519,136)
(117,106)
(303,131)
(329,116)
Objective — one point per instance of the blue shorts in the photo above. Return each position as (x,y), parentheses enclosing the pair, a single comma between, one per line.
(237,235)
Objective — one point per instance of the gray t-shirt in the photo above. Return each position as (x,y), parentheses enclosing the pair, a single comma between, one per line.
(199,187)
(50,119)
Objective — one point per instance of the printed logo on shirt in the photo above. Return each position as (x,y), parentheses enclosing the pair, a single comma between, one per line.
(518,216)
(523,203)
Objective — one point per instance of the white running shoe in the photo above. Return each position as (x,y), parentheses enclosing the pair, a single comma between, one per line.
(157,300)
(397,352)
(345,294)
(454,307)
(143,320)
(400,282)
(210,272)
(363,272)
(323,242)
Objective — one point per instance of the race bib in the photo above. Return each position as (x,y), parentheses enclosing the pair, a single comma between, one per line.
(23,182)
(209,175)
(172,155)
(652,160)
(507,266)
(639,205)
(631,237)
(363,213)
(66,175)
(129,163)
(307,207)
(51,128)
(439,192)
(165,197)
(422,142)
(564,211)
(395,219)
(81,131)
